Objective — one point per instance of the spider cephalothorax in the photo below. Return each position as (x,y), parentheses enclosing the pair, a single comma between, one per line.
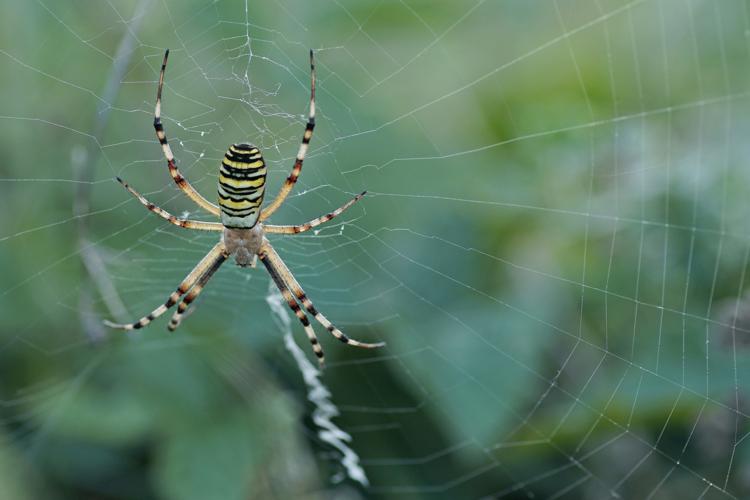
(242,179)
(243,243)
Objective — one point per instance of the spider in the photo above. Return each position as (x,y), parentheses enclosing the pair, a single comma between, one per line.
(242,179)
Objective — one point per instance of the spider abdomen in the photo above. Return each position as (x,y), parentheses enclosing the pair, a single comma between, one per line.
(242,181)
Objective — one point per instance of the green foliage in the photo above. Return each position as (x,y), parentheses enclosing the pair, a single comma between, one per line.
(553,243)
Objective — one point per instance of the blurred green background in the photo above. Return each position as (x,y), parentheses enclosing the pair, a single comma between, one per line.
(554,245)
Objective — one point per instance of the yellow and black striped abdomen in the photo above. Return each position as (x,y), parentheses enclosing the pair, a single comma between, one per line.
(242,183)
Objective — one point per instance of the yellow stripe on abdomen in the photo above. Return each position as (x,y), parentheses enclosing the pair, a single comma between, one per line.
(233,182)
(239,205)
(242,164)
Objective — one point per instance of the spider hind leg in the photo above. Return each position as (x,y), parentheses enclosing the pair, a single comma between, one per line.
(207,266)
(284,278)
(301,316)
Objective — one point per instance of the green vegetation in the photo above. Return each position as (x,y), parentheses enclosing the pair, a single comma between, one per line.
(553,245)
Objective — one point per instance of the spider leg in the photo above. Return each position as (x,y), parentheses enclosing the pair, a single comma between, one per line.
(193,294)
(181,182)
(189,224)
(289,183)
(313,223)
(214,258)
(272,260)
(279,281)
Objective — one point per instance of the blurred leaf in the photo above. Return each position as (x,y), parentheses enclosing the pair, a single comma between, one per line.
(231,457)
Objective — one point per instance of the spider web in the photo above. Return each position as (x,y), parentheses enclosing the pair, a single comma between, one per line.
(553,245)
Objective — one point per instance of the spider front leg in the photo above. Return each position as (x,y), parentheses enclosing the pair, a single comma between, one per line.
(313,223)
(274,264)
(181,182)
(292,179)
(215,257)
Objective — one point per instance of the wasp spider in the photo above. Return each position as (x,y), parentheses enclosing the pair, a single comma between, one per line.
(242,179)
